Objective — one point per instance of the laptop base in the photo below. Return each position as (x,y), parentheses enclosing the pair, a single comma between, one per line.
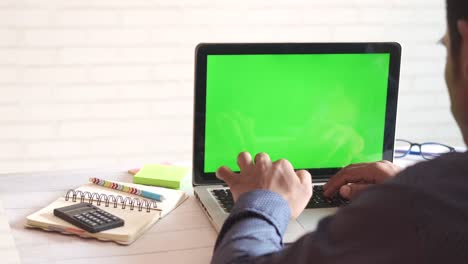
(306,222)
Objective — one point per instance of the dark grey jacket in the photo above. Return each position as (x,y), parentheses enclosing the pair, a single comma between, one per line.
(420,216)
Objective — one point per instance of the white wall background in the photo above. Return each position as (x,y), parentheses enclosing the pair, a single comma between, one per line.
(96,83)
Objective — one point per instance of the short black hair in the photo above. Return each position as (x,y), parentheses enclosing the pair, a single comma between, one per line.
(456,10)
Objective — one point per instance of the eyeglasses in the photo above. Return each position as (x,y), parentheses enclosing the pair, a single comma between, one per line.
(427,150)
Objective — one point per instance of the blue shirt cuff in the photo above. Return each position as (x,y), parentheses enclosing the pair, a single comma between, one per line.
(264,204)
(269,204)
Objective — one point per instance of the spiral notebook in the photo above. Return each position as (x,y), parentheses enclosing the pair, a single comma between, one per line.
(139,213)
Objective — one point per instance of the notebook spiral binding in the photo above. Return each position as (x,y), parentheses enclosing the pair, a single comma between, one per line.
(107,199)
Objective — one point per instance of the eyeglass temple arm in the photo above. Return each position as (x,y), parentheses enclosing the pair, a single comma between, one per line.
(412,152)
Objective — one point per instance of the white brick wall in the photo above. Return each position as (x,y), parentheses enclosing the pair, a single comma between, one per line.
(95,83)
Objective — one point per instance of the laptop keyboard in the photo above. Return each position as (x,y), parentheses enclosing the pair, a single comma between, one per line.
(320,201)
(224,198)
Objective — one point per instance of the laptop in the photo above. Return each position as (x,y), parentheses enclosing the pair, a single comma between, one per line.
(322,106)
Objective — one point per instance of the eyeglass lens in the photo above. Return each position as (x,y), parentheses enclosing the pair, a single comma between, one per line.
(433,150)
(401,148)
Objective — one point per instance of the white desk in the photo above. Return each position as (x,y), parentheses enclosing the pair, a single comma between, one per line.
(8,252)
(184,236)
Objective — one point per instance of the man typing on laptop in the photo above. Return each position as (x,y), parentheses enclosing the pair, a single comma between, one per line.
(344,112)
(419,215)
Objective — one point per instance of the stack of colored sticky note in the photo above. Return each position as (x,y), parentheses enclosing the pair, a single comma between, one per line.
(168,176)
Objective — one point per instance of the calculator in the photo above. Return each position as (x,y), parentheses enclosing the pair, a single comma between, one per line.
(88,217)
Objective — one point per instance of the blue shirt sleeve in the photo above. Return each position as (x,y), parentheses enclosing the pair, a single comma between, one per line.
(369,230)
(255,227)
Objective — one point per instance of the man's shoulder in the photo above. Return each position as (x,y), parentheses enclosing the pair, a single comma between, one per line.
(447,166)
(436,182)
(440,178)
(444,174)
(449,159)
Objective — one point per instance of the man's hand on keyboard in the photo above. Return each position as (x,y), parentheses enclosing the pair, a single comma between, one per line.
(279,177)
(355,178)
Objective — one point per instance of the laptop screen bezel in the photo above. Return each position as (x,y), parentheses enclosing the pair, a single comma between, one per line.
(200,177)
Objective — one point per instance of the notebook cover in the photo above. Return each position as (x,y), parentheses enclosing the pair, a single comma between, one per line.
(136,222)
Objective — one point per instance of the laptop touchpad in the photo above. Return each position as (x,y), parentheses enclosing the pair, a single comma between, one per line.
(310,218)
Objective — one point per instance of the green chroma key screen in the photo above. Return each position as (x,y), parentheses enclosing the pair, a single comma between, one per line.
(316,110)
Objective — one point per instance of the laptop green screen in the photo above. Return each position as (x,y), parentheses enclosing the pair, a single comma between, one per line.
(316,110)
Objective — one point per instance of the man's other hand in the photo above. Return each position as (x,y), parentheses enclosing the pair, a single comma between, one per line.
(279,177)
(353,179)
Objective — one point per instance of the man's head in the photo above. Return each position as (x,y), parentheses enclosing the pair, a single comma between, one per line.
(456,70)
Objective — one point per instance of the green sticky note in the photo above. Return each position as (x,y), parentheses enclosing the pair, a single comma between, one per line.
(161,175)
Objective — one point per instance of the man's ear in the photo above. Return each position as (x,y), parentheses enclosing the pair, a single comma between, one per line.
(462,26)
